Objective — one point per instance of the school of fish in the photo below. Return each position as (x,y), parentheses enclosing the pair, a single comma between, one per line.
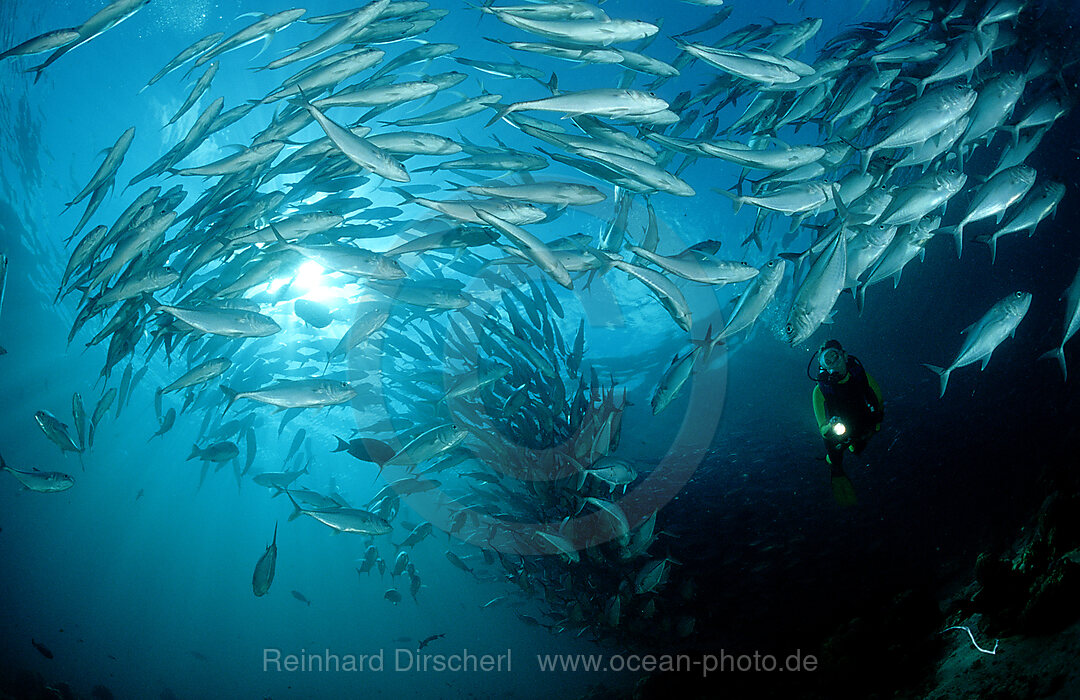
(450,282)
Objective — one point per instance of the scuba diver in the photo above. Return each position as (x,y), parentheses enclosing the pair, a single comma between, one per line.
(848,408)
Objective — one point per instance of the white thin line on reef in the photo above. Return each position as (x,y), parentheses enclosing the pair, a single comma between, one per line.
(968,630)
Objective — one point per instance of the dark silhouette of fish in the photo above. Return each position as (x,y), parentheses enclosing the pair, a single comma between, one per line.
(428,640)
(42,648)
(366,449)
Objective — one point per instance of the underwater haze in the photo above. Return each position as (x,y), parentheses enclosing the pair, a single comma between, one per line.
(470,349)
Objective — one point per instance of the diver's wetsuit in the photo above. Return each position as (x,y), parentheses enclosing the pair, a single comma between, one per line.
(856,400)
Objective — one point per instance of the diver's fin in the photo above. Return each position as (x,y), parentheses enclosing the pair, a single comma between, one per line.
(843,491)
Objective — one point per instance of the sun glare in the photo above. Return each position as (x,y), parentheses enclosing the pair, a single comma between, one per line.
(309,276)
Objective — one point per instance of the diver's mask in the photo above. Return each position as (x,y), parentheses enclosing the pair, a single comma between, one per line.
(831,363)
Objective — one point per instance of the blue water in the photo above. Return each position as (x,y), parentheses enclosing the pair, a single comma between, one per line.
(152,595)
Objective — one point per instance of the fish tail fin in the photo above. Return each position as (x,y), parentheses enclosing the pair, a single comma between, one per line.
(958,236)
(867,156)
(37,71)
(405,196)
(992,242)
(1058,353)
(342,446)
(500,112)
(552,83)
(1015,131)
(917,83)
(706,344)
(296,505)
(754,237)
(232,395)
(194,453)
(941,372)
(736,200)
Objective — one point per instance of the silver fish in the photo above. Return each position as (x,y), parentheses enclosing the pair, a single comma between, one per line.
(297,393)
(56,431)
(994,197)
(49,41)
(186,55)
(1072,324)
(42,482)
(754,300)
(986,334)
(199,374)
(231,323)
(818,292)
